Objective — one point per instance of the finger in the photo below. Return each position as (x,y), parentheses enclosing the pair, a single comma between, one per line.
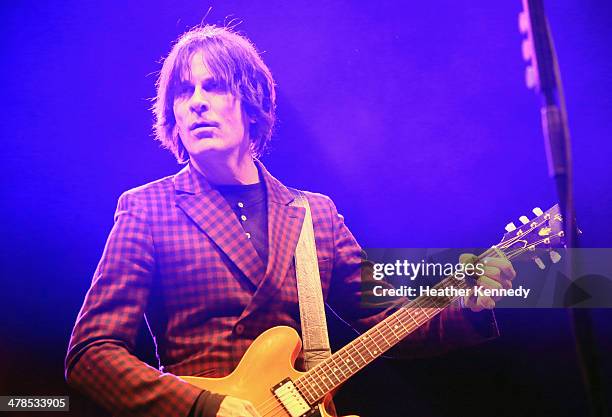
(471,301)
(251,409)
(506,283)
(490,283)
(504,265)
(494,276)
(485,302)
(492,272)
(468,258)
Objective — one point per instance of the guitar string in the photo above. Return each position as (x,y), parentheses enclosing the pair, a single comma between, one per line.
(376,340)
(433,311)
(419,304)
(519,251)
(279,407)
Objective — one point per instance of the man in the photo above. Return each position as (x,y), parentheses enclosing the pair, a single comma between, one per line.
(206,255)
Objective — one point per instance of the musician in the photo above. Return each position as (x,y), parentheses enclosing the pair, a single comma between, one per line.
(206,255)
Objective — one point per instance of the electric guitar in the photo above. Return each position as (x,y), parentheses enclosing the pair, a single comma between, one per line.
(266,375)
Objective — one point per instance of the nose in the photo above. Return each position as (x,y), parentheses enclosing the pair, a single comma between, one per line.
(199,100)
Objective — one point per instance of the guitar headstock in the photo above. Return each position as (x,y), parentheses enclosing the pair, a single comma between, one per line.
(542,233)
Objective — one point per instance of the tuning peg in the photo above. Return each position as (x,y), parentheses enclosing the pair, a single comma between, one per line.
(523,22)
(530,77)
(539,263)
(524,219)
(537,211)
(526,49)
(554,256)
(510,227)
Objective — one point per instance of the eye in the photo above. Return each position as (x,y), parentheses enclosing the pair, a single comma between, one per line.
(215,86)
(184,90)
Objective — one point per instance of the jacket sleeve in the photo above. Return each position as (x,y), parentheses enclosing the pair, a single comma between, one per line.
(352,282)
(100,362)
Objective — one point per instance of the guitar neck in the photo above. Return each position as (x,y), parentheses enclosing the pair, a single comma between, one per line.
(544,232)
(346,362)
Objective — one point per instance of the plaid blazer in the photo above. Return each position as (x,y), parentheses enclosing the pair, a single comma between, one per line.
(178,256)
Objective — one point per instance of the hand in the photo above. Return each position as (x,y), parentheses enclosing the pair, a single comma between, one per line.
(498,273)
(235,407)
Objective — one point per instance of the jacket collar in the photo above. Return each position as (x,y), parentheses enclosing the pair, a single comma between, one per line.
(210,212)
(189,180)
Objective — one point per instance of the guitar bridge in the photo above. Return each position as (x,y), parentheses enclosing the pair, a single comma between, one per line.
(291,399)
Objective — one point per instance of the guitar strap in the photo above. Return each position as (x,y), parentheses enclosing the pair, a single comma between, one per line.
(310,295)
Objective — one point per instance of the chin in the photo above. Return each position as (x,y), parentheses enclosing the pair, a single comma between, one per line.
(203,145)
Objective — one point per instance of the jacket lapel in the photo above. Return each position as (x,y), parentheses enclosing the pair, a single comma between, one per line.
(284,226)
(213,215)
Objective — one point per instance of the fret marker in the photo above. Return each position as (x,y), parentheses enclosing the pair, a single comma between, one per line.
(375,352)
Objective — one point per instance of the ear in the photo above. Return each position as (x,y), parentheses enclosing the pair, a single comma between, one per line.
(177,138)
(182,154)
(175,134)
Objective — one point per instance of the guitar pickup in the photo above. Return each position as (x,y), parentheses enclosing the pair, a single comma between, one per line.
(291,399)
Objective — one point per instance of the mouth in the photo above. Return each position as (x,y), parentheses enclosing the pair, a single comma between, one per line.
(203,125)
(203,129)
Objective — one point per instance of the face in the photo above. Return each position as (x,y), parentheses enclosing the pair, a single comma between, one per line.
(210,119)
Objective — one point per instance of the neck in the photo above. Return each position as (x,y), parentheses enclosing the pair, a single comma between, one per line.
(228,171)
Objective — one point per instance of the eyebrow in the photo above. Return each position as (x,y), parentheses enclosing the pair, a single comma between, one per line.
(183,80)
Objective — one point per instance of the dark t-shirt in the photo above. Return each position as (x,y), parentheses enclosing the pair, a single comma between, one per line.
(248,202)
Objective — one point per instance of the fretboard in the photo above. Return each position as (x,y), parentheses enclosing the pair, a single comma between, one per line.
(346,362)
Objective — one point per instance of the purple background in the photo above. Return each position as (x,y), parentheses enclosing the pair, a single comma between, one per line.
(414,119)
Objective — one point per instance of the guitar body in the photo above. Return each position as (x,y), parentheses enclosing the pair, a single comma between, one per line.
(268,361)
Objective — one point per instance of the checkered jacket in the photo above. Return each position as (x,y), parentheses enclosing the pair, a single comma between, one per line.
(178,256)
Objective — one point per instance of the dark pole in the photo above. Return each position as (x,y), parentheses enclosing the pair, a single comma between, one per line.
(544,75)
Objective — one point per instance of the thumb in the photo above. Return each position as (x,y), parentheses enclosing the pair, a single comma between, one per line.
(468,258)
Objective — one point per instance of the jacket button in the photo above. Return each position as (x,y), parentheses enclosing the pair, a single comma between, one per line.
(239,329)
